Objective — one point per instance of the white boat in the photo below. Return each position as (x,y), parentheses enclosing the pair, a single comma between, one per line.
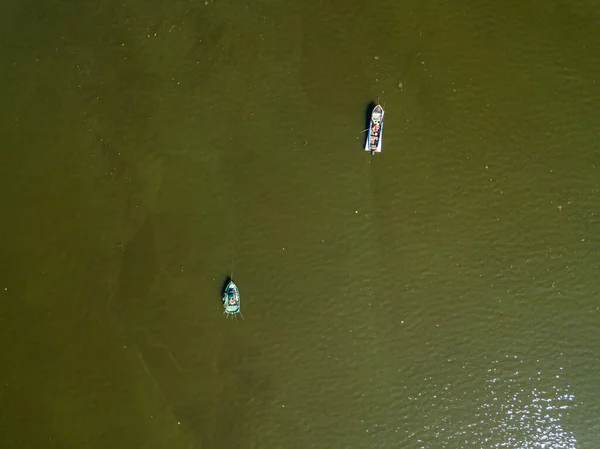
(375,135)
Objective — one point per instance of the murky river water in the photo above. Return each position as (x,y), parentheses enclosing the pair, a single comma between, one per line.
(443,294)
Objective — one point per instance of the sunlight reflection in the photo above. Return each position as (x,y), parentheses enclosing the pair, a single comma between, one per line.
(515,407)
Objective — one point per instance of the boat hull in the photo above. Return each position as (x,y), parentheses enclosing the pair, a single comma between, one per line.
(231,299)
(375,134)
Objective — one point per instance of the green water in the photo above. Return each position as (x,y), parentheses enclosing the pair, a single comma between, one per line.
(443,294)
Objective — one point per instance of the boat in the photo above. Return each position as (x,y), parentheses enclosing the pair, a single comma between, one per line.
(231,298)
(375,135)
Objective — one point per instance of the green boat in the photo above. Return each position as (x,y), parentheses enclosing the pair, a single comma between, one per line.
(231,298)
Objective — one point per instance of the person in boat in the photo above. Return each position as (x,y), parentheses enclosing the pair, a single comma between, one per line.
(232,301)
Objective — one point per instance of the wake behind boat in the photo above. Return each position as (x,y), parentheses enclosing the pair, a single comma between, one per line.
(375,135)
(231,298)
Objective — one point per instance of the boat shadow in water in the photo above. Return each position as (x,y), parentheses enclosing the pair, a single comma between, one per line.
(368,112)
(224,286)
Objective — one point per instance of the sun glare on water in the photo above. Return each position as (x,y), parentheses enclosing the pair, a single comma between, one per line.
(506,406)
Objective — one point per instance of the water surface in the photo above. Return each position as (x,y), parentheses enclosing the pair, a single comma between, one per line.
(441,294)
